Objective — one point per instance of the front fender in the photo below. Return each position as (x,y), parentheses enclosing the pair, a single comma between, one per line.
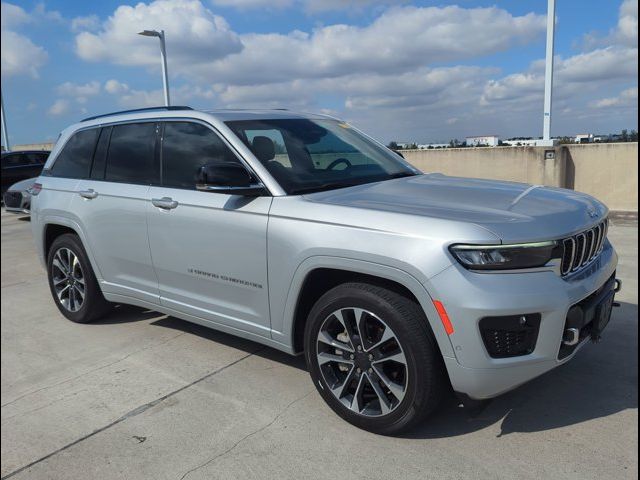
(284,332)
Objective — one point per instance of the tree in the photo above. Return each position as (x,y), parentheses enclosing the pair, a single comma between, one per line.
(393,145)
(624,135)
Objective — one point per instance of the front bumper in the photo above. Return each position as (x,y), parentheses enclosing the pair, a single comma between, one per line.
(470,297)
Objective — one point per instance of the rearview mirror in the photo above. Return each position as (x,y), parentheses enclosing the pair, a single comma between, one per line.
(228,178)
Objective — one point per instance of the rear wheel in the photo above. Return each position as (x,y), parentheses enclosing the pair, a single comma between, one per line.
(373,358)
(72,282)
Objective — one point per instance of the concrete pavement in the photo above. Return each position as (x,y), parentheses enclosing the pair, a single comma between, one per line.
(141,395)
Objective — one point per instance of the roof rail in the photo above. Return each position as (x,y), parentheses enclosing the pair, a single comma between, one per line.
(136,110)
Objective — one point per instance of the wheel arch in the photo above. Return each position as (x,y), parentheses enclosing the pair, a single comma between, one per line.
(317,275)
(53,227)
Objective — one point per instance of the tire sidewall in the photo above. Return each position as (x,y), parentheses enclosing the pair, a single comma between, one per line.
(353,297)
(72,242)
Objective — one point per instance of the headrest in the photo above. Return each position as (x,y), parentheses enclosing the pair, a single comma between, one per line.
(263,148)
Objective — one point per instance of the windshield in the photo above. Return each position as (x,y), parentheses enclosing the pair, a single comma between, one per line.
(313,155)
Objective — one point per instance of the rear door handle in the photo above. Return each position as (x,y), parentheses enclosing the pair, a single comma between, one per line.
(165,203)
(89,194)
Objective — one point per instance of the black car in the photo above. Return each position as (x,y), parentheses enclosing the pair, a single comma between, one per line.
(21,165)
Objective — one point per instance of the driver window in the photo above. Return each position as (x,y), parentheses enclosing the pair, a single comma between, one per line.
(187,146)
(268,146)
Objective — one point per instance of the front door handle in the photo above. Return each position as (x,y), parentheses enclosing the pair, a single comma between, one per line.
(165,203)
(88,194)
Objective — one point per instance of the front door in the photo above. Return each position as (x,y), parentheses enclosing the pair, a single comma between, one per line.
(209,250)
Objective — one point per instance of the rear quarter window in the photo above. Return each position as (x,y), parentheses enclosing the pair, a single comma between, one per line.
(74,160)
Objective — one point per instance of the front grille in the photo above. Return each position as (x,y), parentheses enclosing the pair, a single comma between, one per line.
(13,199)
(510,336)
(581,249)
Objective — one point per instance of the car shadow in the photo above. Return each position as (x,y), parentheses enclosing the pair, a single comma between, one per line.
(600,381)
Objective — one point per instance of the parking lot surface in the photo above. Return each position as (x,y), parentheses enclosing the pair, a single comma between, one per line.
(143,395)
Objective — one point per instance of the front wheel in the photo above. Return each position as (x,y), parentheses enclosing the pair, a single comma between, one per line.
(373,358)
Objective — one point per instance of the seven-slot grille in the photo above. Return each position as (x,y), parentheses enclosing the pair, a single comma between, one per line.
(580,249)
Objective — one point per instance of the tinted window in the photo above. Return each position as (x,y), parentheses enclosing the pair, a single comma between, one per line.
(35,158)
(14,160)
(185,148)
(131,157)
(75,158)
(100,157)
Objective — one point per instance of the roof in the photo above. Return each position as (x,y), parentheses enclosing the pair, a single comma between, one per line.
(220,114)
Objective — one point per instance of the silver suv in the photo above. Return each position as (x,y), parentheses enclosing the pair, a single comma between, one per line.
(299,232)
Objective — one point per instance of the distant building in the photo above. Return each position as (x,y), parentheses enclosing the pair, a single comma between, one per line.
(429,146)
(584,138)
(520,142)
(483,140)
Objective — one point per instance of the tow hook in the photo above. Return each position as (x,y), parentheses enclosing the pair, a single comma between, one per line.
(618,285)
(616,288)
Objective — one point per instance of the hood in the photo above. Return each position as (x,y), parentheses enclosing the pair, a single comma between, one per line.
(515,212)
(23,185)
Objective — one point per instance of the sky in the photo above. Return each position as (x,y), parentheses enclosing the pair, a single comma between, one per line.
(418,71)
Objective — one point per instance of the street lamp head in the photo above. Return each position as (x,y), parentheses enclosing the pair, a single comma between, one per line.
(150,33)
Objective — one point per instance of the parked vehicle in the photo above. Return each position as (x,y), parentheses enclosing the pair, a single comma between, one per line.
(17,199)
(299,232)
(21,165)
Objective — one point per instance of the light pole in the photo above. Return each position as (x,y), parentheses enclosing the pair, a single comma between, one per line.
(548,74)
(163,55)
(5,135)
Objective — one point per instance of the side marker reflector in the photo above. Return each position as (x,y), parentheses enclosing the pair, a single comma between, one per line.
(444,317)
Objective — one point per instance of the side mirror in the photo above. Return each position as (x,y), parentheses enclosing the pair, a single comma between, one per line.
(398,152)
(228,178)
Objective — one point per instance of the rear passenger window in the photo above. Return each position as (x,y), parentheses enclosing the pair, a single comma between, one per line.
(187,146)
(75,158)
(131,157)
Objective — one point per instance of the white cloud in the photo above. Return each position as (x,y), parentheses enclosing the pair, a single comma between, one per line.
(70,89)
(60,107)
(311,6)
(428,35)
(115,87)
(20,56)
(89,22)
(249,4)
(627,30)
(627,99)
(194,34)
(12,15)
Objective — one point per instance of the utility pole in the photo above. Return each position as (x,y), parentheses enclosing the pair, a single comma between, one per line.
(548,75)
(5,135)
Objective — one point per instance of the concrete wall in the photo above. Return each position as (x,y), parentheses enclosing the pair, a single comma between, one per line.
(32,146)
(608,171)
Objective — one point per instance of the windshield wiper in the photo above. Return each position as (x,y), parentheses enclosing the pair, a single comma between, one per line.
(321,187)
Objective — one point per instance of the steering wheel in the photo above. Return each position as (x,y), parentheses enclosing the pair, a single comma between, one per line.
(338,161)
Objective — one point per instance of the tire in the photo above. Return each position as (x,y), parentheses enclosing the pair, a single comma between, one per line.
(406,393)
(82,301)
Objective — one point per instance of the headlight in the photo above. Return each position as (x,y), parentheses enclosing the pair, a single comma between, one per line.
(505,257)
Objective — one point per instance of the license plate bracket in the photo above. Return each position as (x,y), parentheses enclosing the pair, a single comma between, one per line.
(602,316)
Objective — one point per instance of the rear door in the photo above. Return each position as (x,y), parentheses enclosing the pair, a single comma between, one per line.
(111,202)
(209,249)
